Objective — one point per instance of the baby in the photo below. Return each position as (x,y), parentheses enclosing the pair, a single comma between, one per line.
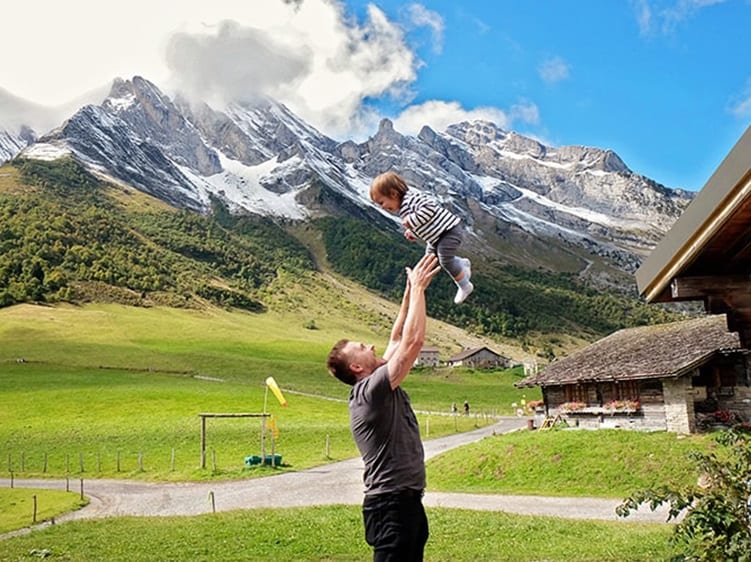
(424,218)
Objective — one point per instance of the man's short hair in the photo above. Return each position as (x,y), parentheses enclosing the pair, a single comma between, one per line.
(338,363)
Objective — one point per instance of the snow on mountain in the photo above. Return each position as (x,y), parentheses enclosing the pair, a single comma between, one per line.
(264,159)
(46,151)
(12,143)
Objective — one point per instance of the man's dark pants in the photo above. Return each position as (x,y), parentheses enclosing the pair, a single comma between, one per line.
(396,526)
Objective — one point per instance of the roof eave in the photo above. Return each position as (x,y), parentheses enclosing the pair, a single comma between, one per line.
(726,189)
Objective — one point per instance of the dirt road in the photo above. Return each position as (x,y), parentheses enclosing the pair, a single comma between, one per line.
(336,483)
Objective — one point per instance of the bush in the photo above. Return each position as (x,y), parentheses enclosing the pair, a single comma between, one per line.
(717,509)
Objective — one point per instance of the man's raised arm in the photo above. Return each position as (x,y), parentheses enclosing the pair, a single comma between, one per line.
(413,331)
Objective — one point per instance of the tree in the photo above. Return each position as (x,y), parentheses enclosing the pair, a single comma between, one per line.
(717,509)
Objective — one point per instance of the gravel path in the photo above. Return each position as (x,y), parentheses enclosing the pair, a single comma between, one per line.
(336,483)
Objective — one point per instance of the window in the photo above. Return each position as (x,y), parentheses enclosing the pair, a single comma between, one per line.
(576,393)
(626,390)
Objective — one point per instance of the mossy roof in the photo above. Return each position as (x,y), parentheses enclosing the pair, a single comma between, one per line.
(646,352)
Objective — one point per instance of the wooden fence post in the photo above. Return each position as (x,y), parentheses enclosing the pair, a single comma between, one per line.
(203,441)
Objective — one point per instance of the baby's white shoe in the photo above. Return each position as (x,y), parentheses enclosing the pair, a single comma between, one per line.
(463,293)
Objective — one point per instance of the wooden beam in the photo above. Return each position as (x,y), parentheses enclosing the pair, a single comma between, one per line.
(205,415)
(716,305)
(696,288)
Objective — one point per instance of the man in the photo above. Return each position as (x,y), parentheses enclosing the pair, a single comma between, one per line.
(385,427)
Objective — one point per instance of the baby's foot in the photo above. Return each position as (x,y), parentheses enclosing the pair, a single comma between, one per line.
(463,293)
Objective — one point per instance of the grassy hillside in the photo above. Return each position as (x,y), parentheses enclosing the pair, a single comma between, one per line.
(509,301)
(66,236)
(86,384)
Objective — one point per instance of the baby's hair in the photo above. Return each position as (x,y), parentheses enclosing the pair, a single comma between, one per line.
(388,184)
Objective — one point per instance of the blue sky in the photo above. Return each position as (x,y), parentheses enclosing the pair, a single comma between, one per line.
(664,83)
(667,85)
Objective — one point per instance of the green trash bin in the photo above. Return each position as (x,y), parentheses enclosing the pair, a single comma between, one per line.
(276,460)
(252,460)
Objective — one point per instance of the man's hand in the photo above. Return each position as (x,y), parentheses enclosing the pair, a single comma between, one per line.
(423,272)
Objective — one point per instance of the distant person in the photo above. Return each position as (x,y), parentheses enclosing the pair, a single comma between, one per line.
(466,408)
(385,427)
(423,217)
(454,409)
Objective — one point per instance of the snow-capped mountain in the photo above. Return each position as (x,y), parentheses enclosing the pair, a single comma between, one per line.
(21,122)
(11,143)
(511,190)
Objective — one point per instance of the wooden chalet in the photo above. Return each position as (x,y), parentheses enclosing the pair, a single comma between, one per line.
(482,357)
(662,377)
(673,376)
(706,255)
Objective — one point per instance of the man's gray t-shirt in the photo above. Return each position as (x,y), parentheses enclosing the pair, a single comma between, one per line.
(387,434)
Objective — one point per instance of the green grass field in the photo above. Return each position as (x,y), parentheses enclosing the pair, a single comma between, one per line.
(335,534)
(110,391)
(604,463)
(22,507)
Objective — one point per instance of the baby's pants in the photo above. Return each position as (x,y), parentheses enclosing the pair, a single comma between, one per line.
(446,249)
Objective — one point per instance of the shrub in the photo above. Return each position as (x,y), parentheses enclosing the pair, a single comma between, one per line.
(717,509)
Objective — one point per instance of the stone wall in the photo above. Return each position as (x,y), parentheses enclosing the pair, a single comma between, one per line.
(679,405)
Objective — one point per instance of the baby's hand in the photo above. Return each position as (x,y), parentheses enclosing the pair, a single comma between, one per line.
(409,235)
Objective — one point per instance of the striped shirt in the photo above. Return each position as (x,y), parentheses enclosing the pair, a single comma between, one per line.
(426,218)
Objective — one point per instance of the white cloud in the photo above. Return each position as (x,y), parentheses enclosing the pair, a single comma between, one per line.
(420,16)
(526,112)
(438,115)
(311,55)
(740,106)
(553,70)
(318,62)
(664,16)
(643,13)
(237,63)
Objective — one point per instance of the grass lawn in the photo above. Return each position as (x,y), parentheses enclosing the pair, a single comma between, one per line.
(112,391)
(604,463)
(17,506)
(335,533)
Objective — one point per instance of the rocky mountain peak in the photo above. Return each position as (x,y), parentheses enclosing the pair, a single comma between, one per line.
(512,191)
